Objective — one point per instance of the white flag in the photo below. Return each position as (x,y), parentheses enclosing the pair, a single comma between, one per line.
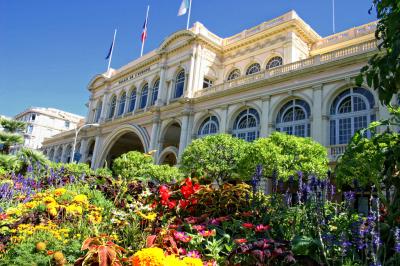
(183,8)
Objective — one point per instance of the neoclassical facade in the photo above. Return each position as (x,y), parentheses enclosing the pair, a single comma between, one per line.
(277,76)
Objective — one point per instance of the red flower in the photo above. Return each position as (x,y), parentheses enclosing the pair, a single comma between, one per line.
(262,228)
(193,201)
(164,192)
(172,204)
(248,225)
(240,240)
(183,203)
(196,187)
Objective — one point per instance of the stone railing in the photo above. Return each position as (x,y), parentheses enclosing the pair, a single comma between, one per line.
(334,151)
(266,25)
(295,66)
(346,35)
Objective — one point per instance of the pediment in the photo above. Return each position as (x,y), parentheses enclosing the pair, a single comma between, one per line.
(177,39)
(96,81)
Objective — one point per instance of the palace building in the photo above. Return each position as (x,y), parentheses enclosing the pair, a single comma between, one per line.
(277,76)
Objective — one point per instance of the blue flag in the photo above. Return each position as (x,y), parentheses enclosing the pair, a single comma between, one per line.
(110,51)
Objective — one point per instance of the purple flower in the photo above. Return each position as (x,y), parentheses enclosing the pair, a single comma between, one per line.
(397,240)
(349,196)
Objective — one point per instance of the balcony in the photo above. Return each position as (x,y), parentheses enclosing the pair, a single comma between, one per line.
(334,151)
(292,67)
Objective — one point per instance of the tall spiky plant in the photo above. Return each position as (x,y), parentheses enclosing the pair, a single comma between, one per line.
(11,134)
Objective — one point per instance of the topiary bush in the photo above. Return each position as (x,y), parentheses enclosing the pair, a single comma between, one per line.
(165,173)
(132,165)
(285,154)
(214,157)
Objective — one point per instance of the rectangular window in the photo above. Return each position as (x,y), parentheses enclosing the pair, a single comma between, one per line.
(344,130)
(333,131)
(66,124)
(207,83)
(29,129)
(33,117)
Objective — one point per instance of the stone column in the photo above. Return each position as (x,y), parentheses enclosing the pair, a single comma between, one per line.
(184,132)
(190,76)
(89,116)
(265,116)
(163,88)
(96,153)
(190,128)
(223,125)
(104,108)
(64,148)
(197,81)
(316,124)
(155,131)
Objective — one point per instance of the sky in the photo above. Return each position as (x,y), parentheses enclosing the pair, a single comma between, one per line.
(50,49)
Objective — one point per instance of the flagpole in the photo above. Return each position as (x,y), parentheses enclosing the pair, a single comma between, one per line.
(144,39)
(333,16)
(188,20)
(112,50)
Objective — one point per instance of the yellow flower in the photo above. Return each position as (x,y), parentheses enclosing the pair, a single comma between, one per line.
(59,191)
(81,199)
(31,204)
(74,209)
(49,200)
(149,256)
(171,260)
(151,216)
(332,228)
(189,261)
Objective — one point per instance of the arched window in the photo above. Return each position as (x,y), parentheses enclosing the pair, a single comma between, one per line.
(274,62)
(98,112)
(122,102)
(294,118)
(143,97)
(113,102)
(254,68)
(209,126)
(247,125)
(132,101)
(179,84)
(234,74)
(154,93)
(353,109)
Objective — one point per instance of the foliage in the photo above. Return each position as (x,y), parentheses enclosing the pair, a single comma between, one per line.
(132,165)
(10,136)
(139,166)
(214,157)
(10,163)
(102,251)
(103,172)
(383,69)
(31,158)
(286,155)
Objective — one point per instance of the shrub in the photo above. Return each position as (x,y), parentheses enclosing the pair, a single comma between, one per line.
(287,155)
(164,173)
(214,157)
(104,172)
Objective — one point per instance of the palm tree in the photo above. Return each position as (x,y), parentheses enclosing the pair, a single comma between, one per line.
(10,136)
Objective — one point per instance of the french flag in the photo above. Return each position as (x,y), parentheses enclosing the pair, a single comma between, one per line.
(144,32)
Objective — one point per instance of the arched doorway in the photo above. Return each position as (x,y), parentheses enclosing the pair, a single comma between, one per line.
(169,156)
(123,144)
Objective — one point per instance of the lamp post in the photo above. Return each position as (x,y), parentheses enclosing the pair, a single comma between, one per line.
(76,136)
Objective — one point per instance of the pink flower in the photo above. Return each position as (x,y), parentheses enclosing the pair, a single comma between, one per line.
(182,236)
(199,227)
(207,233)
(193,254)
(240,240)
(191,220)
(262,228)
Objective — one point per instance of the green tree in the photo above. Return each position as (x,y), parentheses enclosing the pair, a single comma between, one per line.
(10,136)
(214,157)
(286,154)
(383,69)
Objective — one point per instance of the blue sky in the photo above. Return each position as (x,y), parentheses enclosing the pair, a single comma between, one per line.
(50,49)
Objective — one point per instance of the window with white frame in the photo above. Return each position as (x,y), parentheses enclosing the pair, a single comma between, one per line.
(234,74)
(121,106)
(351,110)
(111,111)
(207,83)
(66,124)
(247,125)
(154,93)
(274,62)
(254,68)
(209,126)
(179,84)
(33,117)
(132,101)
(294,118)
